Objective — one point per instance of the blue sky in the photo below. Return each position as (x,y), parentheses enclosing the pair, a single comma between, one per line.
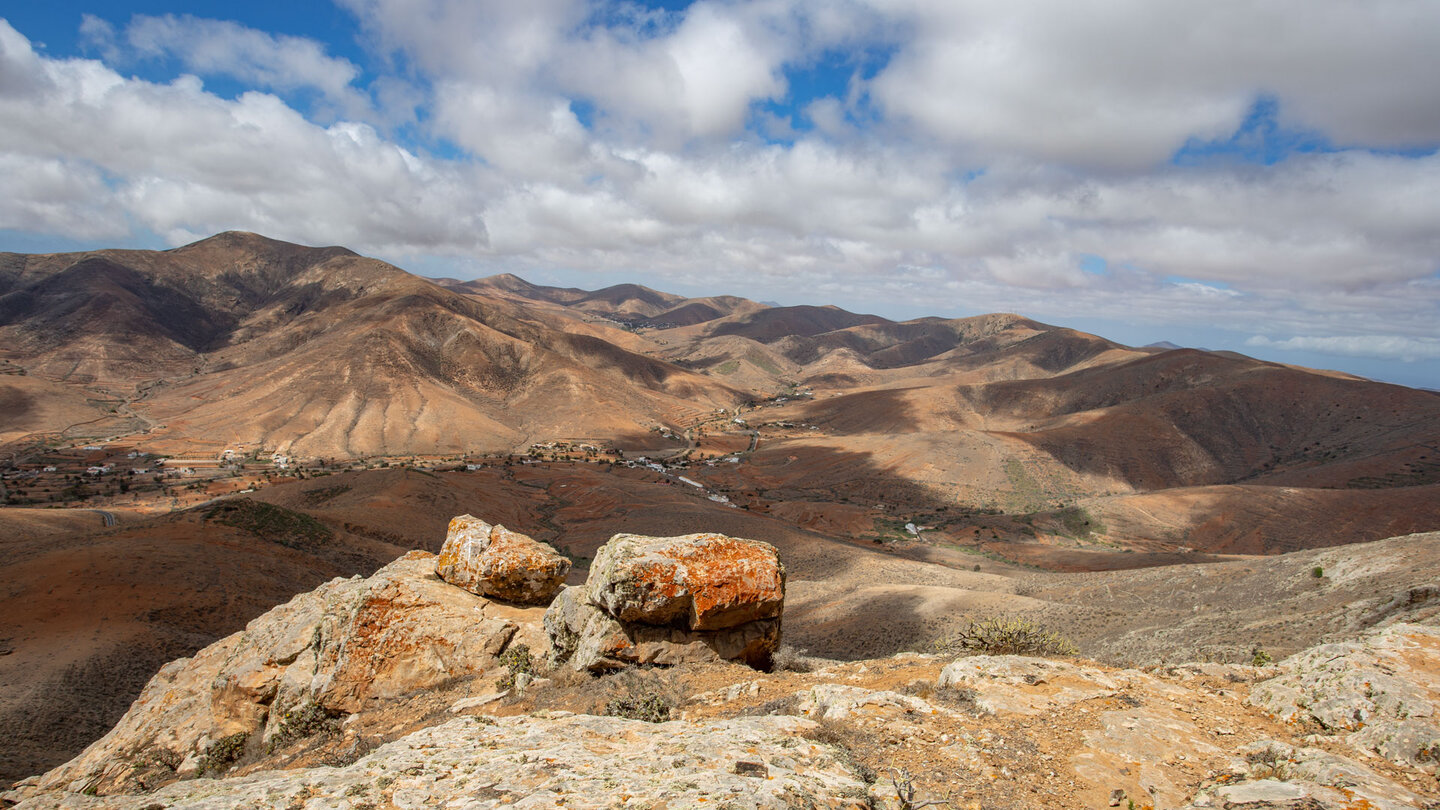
(1262,178)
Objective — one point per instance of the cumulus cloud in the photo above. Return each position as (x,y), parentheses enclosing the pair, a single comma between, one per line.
(175,159)
(1126,84)
(1389,347)
(209,47)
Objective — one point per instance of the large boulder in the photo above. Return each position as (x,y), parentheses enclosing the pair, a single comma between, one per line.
(671,600)
(325,653)
(496,562)
(695,581)
(590,639)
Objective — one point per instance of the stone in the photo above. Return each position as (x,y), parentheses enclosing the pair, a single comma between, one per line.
(589,639)
(574,761)
(694,581)
(494,562)
(1024,684)
(1380,693)
(331,650)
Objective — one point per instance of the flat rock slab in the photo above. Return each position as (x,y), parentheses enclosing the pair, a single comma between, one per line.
(1380,693)
(574,761)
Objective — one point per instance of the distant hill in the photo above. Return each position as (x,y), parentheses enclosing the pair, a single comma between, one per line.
(318,351)
(243,340)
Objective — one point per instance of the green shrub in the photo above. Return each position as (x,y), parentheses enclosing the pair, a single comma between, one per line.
(649,707)
(269,522)
(222,753)
(1008,636)
(302,722)
(1317,572)
(516,659)
(1079,523)
(1260,658)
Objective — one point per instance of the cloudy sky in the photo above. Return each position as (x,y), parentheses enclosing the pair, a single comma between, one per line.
(1261,177)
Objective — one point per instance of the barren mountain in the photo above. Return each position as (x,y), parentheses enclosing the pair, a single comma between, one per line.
(317,351)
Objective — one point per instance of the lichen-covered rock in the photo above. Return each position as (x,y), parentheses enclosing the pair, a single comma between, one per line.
(1380,693)
(495,562)
(588,638)
(1024,684)
(324,653)
(574,761)
(1277,775)
(695,581)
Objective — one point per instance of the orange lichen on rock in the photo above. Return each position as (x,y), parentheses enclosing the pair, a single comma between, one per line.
(671,600)
(496,562)
(701,581)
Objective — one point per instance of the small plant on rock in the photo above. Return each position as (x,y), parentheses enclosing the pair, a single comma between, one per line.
(1260,658)
(222,753)
(1269,763)
(904,785)
(300,723)
(1317,572)
(649,707)
(1008,636)
(517,660)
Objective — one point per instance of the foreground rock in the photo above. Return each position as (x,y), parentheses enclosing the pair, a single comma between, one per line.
(695,581)
(1379,693)
(671,600)
(302,665)
(576,761)
(495,562)
(588,638)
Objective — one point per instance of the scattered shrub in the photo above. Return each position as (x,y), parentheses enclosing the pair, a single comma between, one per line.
(789,659)
(1270,763)
(516,659)
(649,707)
(1260,658)
(1079,523)
(1317,572)
(1008,636)
(302,722)
(222,753)
(272,523)
(904,784)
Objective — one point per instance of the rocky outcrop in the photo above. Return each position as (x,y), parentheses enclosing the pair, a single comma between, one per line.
(588,638)
(1378,693)
(495,562)
(319,656)
(695,581)
(1024,684)
(671,600)
(559,760)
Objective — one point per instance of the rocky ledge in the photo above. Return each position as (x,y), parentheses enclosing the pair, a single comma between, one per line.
(400,690)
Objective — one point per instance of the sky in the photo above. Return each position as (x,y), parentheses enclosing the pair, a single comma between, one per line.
(1255,177)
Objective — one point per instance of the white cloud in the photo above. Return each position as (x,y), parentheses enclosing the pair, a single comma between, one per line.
(222,48)
(175,159)
(1124,84)
(1388,347)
